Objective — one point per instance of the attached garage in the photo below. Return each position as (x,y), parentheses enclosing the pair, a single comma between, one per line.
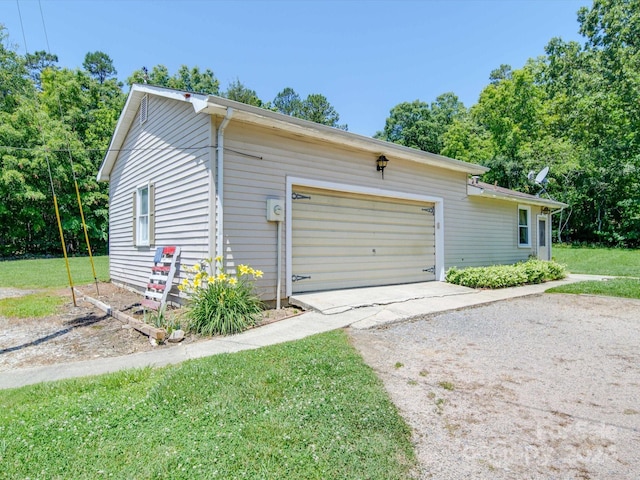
(304,203)
(343,239)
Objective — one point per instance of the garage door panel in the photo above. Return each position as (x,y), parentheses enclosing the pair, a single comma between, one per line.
(363,252)
(339,280)
(314,212)
(364,248)
(399,236)
(363,202)
(355,226)
(406,263)
(351,240)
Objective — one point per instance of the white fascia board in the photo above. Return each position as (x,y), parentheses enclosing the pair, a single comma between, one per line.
(260,116)
(472,190)
(217,106)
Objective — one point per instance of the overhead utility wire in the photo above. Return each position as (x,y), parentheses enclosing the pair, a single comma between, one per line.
(143,149)
(73,173)
(53,190)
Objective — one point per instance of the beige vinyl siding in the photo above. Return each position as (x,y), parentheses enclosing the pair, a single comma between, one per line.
(487,231)
(249,181)
(171,150)
(476,231)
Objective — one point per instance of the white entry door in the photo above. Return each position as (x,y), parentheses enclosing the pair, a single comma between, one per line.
(544,238)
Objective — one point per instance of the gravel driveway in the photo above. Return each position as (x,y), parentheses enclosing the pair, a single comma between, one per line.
(542,387)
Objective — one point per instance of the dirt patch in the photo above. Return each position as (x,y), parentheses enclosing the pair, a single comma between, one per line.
(537,387)
(84,331)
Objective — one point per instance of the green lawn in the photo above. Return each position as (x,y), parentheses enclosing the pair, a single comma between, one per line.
(30,306)
(599,261)
(51,272)
(309,409)
(617,287)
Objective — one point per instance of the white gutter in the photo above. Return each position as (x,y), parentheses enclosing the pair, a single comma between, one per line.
(220,186)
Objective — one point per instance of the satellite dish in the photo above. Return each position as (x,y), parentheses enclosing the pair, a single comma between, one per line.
(541,178)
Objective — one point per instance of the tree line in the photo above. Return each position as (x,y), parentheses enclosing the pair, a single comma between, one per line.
(575,109)
(55,127)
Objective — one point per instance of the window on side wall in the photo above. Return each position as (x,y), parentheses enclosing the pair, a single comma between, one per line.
(143,215)
(524,226)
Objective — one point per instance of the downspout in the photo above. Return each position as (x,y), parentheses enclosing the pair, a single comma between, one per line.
(220,185)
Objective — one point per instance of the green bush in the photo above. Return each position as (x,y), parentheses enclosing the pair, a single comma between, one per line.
(502,276)
(222,304)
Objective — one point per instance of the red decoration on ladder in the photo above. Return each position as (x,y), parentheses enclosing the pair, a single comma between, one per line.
(161,278)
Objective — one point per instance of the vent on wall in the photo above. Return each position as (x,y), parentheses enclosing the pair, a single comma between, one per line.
(143,109)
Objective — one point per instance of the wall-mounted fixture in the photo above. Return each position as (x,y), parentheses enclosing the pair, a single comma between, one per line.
(381,164)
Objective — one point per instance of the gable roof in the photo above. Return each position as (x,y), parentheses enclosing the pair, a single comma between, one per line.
(218,106)
(482,189)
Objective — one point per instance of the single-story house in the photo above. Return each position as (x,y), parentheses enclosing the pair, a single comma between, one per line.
(311,206)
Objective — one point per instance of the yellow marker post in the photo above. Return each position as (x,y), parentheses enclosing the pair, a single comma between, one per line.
(64,250)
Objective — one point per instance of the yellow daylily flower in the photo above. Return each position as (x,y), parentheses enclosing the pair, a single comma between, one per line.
(243,269)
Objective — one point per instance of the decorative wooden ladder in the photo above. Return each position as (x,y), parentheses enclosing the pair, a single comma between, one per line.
(161,278)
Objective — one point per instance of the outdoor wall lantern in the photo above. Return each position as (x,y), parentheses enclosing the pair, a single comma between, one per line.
(381,164)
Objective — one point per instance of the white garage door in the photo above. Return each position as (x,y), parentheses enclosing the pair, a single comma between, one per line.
(343,240)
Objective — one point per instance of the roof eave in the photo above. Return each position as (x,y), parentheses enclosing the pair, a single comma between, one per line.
(489,193)
(217,106)
(260,116)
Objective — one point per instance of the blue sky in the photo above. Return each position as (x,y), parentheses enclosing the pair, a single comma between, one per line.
(364,56)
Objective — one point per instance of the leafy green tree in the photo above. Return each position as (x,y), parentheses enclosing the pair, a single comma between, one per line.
(421,125)
(13,75)
(410,124)
(466,140)
(593,95)
(240,93)
(512,111)
(99,65)
(189,79)
(36,62)
(288,102)
(193,80)
(503,72)
(316,108)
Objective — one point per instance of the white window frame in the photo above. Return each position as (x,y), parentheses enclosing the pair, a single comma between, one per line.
(141,230)
(527,209)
